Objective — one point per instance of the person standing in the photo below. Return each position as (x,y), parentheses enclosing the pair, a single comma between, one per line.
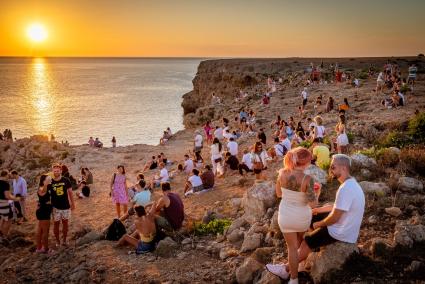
(43,214)
(19,189)
(198,142)
(62,203)
(114,142)
(119,190)
(5,209)
(304,96)
(217,157)
(297,192)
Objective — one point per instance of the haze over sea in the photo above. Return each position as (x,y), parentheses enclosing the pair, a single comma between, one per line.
(133,99)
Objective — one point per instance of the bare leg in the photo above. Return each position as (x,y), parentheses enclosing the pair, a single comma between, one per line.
(64,230)
(303,251)
(39,235)
(292,244)
(56,231)
(127,239)
(118,209)
(45,234)
(125,208)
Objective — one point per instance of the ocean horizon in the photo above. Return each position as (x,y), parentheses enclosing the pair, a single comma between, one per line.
(73,98)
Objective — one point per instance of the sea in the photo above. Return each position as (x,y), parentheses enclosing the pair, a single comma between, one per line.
(133,99)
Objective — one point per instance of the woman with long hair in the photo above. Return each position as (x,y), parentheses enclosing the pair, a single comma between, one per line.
(298,197)
(259,160)
(217,157)
(43,213)
(119,190)
(342,138)
(319,129)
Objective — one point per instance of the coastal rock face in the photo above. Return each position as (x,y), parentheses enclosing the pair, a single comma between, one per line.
(363,160)
(258,199)
(317,173)
(329,259)
(377,188)
(410,184)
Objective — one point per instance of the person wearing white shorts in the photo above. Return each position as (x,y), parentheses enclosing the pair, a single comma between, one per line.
(59,215)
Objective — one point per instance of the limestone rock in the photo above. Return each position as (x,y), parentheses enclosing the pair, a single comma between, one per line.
(227,252)
(235,236)
(263,255)
(166,247)
(410,184)
(407,234)
(258,199)
(249,271)
(268,278)
(380,247)
(377,188)
(317,173)
(363,160)
(251,242)
(393,211)
(329,259)
(236,224)
(89,237)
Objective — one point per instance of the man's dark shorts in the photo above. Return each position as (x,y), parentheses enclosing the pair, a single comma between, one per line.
(319,237)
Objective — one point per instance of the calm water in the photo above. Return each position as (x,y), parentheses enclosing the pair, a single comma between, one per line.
(75,98)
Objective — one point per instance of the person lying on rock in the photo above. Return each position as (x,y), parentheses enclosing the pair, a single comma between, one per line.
(143,239)
(341,224)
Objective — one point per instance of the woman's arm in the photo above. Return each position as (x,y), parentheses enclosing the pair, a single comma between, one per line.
(279,185)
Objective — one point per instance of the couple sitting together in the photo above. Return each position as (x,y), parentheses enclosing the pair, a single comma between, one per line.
(306,227)
(154,219)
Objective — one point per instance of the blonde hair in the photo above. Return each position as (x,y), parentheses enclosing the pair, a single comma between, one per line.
(318,119)
(298,156)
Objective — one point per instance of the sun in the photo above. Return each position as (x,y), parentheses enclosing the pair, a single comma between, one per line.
(36,32)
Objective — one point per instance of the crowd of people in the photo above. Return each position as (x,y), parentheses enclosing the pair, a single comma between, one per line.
(298,144)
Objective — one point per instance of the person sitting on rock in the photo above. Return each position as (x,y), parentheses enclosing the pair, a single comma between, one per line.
(345,217)
(207,177)
(141,198)
(161,178)
(151,165)
(321,153)
(165,137)
(193,183)
(231,162)
(169,210)
(143,239)
(97,143)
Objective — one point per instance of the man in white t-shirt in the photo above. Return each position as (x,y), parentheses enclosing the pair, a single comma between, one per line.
(284,140)
(304,96)
(193,184)
(198,141)
(232,147)
(218,133)
(188,164)
(346,214)
(246,163)
(163,176)
(279,148)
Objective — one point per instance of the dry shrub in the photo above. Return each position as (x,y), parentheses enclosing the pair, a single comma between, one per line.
(387,158)
(370,134)
(413,158)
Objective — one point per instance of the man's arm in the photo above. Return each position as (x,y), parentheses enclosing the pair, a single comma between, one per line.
(71,198)
(330,220)
(156,207)
(10,196)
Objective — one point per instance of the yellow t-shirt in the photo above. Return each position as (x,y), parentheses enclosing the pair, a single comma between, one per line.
(322,155)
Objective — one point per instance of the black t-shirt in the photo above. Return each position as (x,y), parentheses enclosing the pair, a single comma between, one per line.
(59,191)
(233,162)
(4,186)
(262,137)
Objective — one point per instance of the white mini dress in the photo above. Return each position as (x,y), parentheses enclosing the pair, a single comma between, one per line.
(294,212)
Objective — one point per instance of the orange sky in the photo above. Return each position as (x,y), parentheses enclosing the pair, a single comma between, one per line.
(238,28)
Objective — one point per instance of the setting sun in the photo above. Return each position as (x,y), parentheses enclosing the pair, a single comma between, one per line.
(37,32)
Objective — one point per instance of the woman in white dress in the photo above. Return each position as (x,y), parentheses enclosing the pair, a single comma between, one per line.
(342,138)
(217,157)
(294,218)
(319,129)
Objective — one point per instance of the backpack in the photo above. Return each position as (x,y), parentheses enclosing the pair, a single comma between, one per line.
(284,149)
(258,165)
(115,231)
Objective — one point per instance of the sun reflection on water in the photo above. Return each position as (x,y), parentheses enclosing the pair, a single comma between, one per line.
(41,99)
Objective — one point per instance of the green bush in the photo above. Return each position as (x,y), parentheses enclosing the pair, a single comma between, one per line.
(214,227)
(416,127)
(414,159)
(363,75)
(386,157)
(396,139)
(350,136)
(306,144)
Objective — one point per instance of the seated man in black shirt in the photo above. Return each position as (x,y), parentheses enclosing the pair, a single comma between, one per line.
(231,162)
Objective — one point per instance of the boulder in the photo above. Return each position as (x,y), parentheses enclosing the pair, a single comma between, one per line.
(227,252)
(263,255)
(410,184)
(317,173)
(249,271)
(393,211)
(89,237)
(236,224)
(258,199)
(372,219)
(236,202)
(380,247)
(251,242)
(166,247)
(274,225)
(268,278)
(235,236)
(329,259)
(363,160)
(377,188)
(407,234)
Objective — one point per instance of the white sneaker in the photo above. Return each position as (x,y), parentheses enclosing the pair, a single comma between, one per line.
(293,281)
(278,270)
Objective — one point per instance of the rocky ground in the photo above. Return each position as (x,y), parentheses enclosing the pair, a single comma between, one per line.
(391,245)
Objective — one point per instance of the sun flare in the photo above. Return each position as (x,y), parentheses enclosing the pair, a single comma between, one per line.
(37,32)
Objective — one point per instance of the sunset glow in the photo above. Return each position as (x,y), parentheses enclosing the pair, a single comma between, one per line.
(37,32)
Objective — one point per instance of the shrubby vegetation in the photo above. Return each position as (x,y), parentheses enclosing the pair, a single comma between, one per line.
(214,227)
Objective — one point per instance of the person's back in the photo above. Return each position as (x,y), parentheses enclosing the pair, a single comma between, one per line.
(207,178)
(322,154)
(174,212)
(350,199)
(142,198)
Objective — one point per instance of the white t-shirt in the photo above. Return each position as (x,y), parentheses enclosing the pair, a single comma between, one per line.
(278,148)
(380,77)
(247,160)
(286,143)
(163,175)
(350,199)
(218,133)
(304,95)
(320,131)
(188,166)
(195,181)
(215,152)
(198,140)
(233,148)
